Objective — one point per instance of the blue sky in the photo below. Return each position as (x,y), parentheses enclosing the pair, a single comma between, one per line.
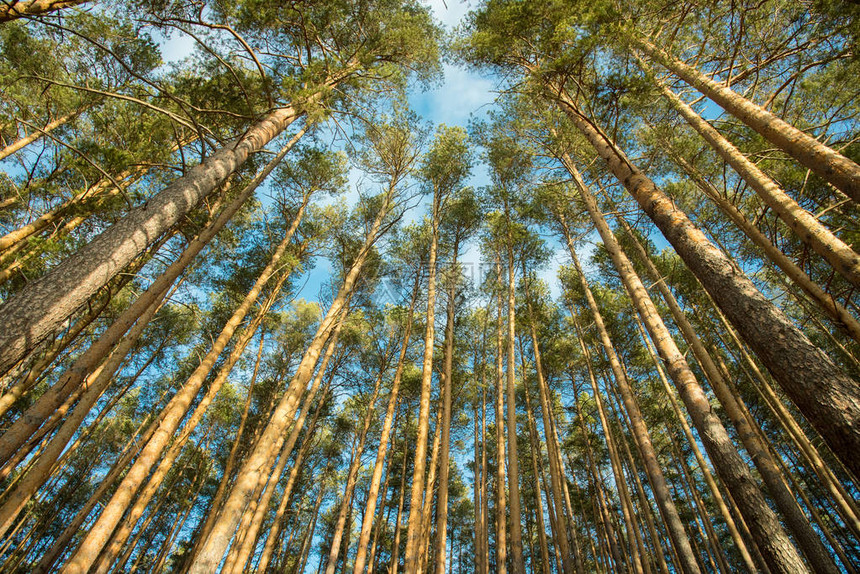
(460,96)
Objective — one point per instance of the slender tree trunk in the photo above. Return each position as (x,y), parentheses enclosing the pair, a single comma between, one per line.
(216,544)
(614,460)
(513,459)
(535,452)
(597,480)
(829,398)
(556,476)
(828,164)
(395,546)
(807,228)
(414,532)
(501,515)
(640,431)
(352,476)
(448,368)
(426,523)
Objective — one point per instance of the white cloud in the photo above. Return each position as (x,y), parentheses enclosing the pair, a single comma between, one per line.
(462,93)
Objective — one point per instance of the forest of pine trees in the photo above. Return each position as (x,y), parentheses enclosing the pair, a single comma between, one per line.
(259,314)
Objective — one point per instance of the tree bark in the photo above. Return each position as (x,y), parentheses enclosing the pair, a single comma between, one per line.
(14,9)
(36,311)
(501,514)
(836,311)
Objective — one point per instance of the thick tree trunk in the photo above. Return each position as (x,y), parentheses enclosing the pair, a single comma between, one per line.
(274,532)
(772,540)
(828,164)
(175,411)
(828,397)
(14,9)
(817,555)
(836,311)
(808,229)
(216,544)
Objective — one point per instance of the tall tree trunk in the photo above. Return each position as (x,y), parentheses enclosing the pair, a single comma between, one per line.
(828,164)
(216,544)
(827,396)
(448,368)
(395,545)
(175,412)
(535,452)
(807,228)
(373,493)
(249,533)
(414,533)
(426,523)
(501,514)
(556,476)
(274,532)
(771,539)
(513,459)
(36,311)
(45,463)
(817,555)
(14,9)
(640,431)
(614,459)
